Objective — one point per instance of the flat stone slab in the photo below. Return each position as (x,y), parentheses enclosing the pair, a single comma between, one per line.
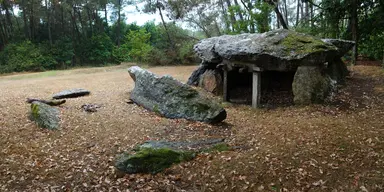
(71,93)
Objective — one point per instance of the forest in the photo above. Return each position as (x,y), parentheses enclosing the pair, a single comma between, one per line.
(38,35)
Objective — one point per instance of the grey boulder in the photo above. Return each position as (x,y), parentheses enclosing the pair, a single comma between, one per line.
(45,116)
(72,93)
(311,85)
(173,99)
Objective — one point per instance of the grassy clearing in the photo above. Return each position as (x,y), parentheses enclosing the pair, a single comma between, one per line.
(336,147)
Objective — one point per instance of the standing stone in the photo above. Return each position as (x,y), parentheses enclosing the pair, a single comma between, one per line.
(195,76)
(173,99)
(310,85)
(212,82)
(45,116)
(337,70)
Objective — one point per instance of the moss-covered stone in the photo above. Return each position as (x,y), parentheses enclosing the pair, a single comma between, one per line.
(170,98)
(151,160)
(304,44)
(45,116)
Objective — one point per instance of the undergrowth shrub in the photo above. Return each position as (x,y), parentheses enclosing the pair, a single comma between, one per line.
(25,56)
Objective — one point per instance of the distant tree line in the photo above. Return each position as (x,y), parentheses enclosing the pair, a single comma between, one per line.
(40,35)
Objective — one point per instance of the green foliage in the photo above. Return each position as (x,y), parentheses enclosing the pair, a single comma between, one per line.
(25,56)
(63,51)
(373,46)
(97,50)
(137,42)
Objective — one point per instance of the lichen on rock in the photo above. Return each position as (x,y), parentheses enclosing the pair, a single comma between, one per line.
(45,116)
(170,98)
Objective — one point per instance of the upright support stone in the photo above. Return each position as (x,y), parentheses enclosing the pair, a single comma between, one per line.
(256,87)
(225,86)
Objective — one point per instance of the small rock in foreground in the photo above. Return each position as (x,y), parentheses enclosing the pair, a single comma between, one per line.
(155,156)
(151,160)
(72,93)
(45,116)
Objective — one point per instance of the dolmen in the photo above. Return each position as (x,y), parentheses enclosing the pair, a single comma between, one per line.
(315,64)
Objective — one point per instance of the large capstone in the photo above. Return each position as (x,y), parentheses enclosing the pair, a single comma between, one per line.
(173,99)
(343,46)
(72,93)
(279,50)
(311,85)
(45,116)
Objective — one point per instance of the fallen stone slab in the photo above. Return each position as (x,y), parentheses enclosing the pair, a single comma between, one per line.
(155,156)
(48,102)
(72,93)
(45,116)
(173,99)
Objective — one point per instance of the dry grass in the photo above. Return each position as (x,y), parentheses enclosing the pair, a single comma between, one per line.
(339,147)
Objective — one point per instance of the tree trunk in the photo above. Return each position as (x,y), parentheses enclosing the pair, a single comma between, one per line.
(118,23)
(62,20)
(302,9)
(297,12)
(251,19)
(31,21)
(354,23)
(165,25)
(105,13)
(285,12)
(82,25)
(280,18)
(225,15)
(26,30)
(306,14)
(232,17)
(16,19)
(90,18)
(239,13)
(8,17)
(311,17)
(48,22)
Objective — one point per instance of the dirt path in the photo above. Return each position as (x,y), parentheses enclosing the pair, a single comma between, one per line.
(318,148)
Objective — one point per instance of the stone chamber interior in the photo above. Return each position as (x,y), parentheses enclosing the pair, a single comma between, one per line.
(276,88)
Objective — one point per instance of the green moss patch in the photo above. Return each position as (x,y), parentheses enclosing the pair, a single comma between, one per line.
(304,44)
(149,160)
(45,116)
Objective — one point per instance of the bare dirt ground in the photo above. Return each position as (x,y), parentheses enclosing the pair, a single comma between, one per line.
(336,147)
